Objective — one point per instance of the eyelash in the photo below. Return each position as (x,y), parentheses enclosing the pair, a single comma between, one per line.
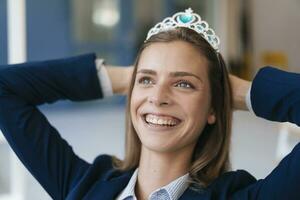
(190,86)
(140,81)
(186,82)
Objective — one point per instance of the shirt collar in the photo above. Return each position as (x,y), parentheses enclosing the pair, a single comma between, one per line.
(129,190)
(174,189)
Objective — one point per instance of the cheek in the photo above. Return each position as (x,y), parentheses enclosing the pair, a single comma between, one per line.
(198,110)
(135,102)
(132,105)
(197,104)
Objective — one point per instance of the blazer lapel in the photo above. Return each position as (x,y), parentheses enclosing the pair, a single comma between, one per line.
(110,188)
(190,194)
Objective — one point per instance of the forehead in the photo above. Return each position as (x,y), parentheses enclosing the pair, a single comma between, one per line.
(173,56)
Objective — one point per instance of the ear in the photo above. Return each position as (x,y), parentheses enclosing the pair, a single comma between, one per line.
(211,119)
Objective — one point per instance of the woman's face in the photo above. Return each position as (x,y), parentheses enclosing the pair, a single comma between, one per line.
(170,102)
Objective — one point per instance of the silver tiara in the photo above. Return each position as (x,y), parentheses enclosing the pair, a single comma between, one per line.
(189,20)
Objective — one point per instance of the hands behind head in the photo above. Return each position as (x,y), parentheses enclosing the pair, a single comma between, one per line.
(121,77)
(239,88)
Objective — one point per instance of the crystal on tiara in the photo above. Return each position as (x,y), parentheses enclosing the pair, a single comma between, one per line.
(189,20)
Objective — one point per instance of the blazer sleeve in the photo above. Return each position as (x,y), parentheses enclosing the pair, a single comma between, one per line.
(275,95)
(35,141)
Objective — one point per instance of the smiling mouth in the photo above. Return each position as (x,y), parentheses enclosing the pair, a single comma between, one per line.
(160,121)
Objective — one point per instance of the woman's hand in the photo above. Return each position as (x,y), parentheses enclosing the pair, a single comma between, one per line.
(120,78)
(239,89)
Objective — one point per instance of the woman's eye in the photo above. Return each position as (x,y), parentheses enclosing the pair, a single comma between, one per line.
(184,84)
(145,81)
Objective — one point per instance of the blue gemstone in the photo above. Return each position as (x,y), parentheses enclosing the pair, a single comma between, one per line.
(200,28)
(185,18)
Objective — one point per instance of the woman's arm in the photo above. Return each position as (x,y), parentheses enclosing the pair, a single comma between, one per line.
(239,89)
(275,95)
(36,142)
(120,78)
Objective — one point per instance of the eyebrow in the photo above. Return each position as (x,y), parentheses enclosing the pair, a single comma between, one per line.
(172,74)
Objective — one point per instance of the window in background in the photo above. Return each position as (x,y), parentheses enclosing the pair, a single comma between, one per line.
(115,29)
(96,21)
(105,27)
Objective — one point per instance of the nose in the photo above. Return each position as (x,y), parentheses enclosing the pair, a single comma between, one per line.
(159,95)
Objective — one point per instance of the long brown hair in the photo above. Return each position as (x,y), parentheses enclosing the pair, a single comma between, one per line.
(211,154)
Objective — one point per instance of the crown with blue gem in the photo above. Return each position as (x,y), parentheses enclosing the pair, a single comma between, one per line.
(190,20)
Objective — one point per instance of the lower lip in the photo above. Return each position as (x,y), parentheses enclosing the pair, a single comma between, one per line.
(158,127)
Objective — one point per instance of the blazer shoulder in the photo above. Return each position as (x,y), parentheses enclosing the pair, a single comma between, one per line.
(103,163)
(231,181)
(103,168)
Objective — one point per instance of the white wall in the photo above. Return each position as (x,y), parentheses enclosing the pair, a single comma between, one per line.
(92,128)
(254,144)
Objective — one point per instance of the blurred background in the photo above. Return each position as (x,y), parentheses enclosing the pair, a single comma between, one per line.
(253,33)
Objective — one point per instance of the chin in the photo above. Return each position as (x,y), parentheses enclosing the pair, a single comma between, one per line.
(159,144)
(158,147)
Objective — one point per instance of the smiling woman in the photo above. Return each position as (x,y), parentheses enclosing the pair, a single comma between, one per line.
(178,122)
(178,79)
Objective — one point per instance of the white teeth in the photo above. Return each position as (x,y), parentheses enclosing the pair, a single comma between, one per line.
(160,122)
(153,119)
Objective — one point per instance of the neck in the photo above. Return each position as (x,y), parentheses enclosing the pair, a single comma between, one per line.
(158,169)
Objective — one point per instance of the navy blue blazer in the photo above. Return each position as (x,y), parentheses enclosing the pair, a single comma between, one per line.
(275,95)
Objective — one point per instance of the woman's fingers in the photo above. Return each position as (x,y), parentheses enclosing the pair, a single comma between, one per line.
(239,89)
(120,78)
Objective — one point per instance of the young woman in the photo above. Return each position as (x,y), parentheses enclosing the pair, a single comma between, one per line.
(178,121)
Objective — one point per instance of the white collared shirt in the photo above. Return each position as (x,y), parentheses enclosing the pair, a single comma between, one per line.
(172,191)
